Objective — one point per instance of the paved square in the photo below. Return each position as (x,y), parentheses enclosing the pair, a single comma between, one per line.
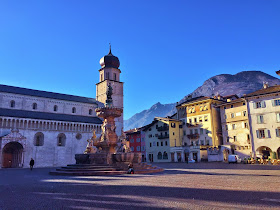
(180,186)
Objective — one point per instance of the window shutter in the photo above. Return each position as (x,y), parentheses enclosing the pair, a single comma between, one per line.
(273,102)
(263,104)
(254,105)
(277,132)
(258,134)
(243,125)
(266,133)
(278,117)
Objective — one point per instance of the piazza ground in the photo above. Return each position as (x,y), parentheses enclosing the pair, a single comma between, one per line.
(180,186)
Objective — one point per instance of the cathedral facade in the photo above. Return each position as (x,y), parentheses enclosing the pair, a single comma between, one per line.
(52,127)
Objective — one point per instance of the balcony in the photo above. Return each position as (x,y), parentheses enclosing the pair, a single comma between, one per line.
(192,125)
(193,136)
(200,147)
(163,136)
(163,128)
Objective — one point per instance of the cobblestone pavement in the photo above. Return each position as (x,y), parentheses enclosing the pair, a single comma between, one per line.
(180,186)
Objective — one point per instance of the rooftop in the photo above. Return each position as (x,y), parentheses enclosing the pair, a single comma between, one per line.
(263,91)
(45,94)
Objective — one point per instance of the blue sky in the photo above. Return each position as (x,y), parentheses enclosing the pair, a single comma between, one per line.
(166,48)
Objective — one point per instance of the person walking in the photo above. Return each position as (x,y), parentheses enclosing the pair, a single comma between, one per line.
(31,163)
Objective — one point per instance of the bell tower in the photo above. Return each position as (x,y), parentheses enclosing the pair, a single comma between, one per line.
(110,74)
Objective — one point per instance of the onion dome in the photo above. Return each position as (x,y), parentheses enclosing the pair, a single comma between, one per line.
(109,60)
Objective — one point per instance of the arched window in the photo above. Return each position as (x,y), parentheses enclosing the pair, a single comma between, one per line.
(165,155)
(55,108)
(90,112)
(12,104)
(115,76)
(39,139)
(159,155)
(61,140)
(34,106)
(73,110)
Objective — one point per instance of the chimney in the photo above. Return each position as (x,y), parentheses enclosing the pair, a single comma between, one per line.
(265,85)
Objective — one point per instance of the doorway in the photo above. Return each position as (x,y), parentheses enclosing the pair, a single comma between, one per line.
(172,157)
(151,157)
(195,156)
(12,155)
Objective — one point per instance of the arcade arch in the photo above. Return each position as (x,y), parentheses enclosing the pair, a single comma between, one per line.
(264,152)
(12,155)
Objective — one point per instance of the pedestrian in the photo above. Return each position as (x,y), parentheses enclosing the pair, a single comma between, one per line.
(130,168)
(31,163)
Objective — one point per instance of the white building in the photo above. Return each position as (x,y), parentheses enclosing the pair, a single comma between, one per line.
(264,119)
(52,127)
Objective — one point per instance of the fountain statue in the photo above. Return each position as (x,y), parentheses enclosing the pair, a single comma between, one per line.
(108,148)
(107,154)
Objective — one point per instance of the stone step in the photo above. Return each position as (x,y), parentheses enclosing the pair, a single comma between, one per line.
(87,167)
(83,165)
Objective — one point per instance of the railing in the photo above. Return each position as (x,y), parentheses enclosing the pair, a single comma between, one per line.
(163,137)
(163,128)
(193,136)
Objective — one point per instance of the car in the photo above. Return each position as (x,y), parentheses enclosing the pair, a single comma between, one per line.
(234,159)
(191,161)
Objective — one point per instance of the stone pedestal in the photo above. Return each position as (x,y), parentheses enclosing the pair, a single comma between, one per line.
(108,158)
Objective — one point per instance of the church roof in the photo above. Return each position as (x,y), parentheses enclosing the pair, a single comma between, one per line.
(48,116)
(110,60)
(45,94)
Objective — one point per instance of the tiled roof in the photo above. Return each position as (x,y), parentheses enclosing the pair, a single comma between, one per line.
(272,89)
(167,119)
(49,116)
(45,94)
(199,98)
(231,102)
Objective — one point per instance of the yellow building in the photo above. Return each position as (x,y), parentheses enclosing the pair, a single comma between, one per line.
(202,126)
(236,128)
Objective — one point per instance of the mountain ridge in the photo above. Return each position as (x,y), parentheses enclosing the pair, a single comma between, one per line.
(240,83)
